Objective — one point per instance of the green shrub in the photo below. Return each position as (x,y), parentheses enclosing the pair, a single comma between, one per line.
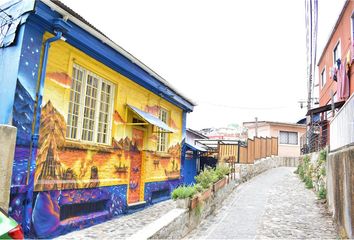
(322,193)
(221,171)
(323,156)
(323,171)
(183,192)
(198,187)
(306,160)
(301,172)
(206,178)
(308,183)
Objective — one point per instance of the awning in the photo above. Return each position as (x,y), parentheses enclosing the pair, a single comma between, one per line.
(195,148)
(151,119)
(325,108)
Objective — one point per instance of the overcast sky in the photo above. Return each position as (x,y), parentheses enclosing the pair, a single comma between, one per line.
(235,59)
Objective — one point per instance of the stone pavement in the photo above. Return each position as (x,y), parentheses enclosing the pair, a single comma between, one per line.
(274,204)
(125,226)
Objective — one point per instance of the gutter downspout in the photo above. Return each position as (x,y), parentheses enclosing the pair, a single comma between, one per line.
(35,137)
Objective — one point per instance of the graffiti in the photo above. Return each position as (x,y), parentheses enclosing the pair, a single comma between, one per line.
(78,184)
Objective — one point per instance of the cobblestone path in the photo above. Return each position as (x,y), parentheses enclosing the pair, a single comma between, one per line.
(125,226)
(274,204)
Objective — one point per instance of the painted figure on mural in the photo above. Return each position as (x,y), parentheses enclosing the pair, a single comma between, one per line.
(70,179)
(94,180)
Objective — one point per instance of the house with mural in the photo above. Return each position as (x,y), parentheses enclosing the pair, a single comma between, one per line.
(98,132)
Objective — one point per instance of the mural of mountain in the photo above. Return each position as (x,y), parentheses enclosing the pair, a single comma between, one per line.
(60,78)
(23,115)
(52,137)
(154,110)
(175,150)
(125,144)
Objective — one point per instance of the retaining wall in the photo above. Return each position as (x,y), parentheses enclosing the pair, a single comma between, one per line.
(340,189)
(7,149)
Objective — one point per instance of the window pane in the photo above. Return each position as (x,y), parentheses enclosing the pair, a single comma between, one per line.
(103,120)
(162,137)
(284,137)
(89,108)
(293,138)
(74,104)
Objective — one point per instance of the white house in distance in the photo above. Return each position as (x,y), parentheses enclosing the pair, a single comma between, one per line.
(288,135)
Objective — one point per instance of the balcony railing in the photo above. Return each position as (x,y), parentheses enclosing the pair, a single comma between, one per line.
(342,126)
(315,138)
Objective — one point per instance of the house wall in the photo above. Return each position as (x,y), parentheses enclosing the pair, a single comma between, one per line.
(287,150)
(262,131)
(62,56)
(38,204)
(343,33)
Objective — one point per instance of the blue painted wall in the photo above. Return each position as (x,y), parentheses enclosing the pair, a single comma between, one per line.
(9,65)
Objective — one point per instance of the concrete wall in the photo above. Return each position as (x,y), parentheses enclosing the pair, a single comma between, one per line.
(7,149)
(340,188)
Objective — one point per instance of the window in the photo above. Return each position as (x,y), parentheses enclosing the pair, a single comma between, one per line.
(323,77)
(288,138)
(336,53)
(162,136)
(90,107)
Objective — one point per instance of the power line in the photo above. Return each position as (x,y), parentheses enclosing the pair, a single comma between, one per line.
(243,108)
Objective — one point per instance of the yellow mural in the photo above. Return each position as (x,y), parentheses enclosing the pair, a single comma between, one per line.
(127,158)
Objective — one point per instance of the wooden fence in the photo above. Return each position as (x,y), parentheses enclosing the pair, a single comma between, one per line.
(254,149)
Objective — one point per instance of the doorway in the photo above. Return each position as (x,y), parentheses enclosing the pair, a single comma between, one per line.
(135,166)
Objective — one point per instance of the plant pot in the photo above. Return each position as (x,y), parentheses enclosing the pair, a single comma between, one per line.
(219,184)
(183,203)
(206,194)
(194,202)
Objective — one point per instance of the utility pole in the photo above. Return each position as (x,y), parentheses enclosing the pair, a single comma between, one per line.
(256,128)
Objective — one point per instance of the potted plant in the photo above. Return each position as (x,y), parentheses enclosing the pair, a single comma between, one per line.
(183,195)
(221,172)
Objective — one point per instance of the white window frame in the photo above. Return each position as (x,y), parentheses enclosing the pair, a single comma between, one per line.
(162,137)
(337,48)
(323,74)
(290,144)
(97,108)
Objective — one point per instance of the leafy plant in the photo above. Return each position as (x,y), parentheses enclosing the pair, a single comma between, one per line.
(199,208)
(322,193)
(198,187)
(323,156)
(183,192)
(323,171)
(206,178)
(308,183)
(221,171)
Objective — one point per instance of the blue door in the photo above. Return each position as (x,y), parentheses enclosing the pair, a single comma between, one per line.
(190,170)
